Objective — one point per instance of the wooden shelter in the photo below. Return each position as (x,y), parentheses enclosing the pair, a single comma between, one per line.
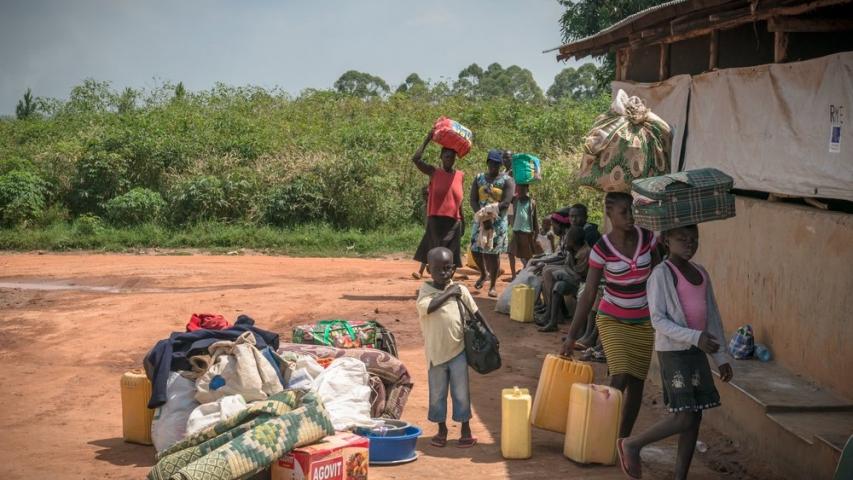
(762,90)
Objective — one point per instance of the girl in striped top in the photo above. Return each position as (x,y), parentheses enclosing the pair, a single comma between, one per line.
(624,258)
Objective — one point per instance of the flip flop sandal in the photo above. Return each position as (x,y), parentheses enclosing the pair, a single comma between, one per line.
(438,441)
(416,275)
(598,356)
(622,463)
(479,283)
(493,293)
(466,442)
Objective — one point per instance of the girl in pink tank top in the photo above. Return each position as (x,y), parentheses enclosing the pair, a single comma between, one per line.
(693,297)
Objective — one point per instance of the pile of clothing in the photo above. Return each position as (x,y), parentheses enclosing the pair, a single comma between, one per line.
(229,399)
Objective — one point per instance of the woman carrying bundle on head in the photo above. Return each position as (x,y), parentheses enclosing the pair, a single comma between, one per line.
(445,223)
(624,258)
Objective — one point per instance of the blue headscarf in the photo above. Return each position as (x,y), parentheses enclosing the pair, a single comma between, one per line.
(496,156)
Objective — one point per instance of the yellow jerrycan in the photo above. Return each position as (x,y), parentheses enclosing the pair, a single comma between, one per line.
(593,424)
(521,304)
(516,440)
(551,403)
(135,414)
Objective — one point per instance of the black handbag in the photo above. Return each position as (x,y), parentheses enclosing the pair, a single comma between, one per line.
(481,344)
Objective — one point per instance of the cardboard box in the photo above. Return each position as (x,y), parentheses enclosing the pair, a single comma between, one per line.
(342,456)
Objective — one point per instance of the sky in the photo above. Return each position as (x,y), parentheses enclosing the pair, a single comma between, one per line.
(52,45)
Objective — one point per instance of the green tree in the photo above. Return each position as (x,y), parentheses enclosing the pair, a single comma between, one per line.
(26,107)
(587,17)
(413,85)
(126,101)
(180,91)
(578,83)
(495,81)
(360,84)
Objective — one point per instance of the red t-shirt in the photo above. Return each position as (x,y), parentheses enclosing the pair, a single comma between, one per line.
(445,194)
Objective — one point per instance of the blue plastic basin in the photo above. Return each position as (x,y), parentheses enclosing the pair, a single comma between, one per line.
(392,449)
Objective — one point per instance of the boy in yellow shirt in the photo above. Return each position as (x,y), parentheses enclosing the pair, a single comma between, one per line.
(444,344)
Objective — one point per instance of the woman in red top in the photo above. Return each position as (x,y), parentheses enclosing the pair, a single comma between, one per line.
(444,204)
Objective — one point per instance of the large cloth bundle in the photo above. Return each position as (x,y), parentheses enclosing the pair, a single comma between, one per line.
(453,135)
(626,143)
(526,168)
(236,367)
(683,198)
(247,442)
(390,380)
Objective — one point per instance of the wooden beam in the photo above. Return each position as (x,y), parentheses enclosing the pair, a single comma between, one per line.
(780,47)
(793,24)
(703,26)
(714,50)
(619,61)
(663,68)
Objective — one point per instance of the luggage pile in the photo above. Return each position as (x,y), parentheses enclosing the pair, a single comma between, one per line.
(684,198)
(626,143)
(211,396)
(566,401)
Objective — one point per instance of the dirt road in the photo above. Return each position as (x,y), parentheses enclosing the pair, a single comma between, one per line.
(72,324)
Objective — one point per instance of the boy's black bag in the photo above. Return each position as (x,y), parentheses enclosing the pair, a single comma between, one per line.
(481,344)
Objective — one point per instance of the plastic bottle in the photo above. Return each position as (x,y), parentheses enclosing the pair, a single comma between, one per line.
(762,352)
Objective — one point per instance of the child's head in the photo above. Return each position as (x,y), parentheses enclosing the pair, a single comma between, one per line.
(577,215)
(441,265)
(576,236)
(546,224)
(507,160)
(617,205)
(559,222)
(523,190)
(682,242)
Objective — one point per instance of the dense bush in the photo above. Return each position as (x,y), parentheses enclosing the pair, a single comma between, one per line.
(250,155)
(135,207)
(22,197)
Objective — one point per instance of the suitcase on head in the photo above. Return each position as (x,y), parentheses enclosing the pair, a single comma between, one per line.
(684,198)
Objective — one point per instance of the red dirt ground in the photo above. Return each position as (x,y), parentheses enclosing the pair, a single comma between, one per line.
(72,324)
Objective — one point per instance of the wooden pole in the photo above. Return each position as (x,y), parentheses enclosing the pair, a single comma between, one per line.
(619,62)
(663,68)
(780,47)
(714,50)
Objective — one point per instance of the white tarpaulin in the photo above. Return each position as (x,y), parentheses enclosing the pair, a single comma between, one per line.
(779,128)
(668,100)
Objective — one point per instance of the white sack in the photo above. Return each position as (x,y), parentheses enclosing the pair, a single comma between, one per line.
(170,420)
(211,413)
(237,368)
(344,389)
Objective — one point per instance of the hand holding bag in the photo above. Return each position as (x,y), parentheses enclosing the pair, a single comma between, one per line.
(481,344)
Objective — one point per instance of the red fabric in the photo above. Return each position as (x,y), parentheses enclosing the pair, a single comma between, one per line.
(453,135)
(445,194)
(207,321)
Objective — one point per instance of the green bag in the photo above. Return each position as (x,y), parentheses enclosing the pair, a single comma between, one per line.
(347,334)
(626,143)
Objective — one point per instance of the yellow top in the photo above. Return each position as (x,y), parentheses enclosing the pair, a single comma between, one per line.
(442,329)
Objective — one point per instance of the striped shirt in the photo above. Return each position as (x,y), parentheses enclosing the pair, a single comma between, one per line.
(625,278)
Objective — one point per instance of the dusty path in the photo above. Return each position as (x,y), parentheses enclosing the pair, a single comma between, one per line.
(72,324)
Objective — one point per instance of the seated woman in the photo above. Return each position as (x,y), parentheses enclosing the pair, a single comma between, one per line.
(565,279)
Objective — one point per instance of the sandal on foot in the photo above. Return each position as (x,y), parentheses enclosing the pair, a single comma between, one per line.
(479,283)
(416,275)
(623,463)
(493,293)
(438,441)
(466,442)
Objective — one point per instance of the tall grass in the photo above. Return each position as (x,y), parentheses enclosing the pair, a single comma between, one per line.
(249,159)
